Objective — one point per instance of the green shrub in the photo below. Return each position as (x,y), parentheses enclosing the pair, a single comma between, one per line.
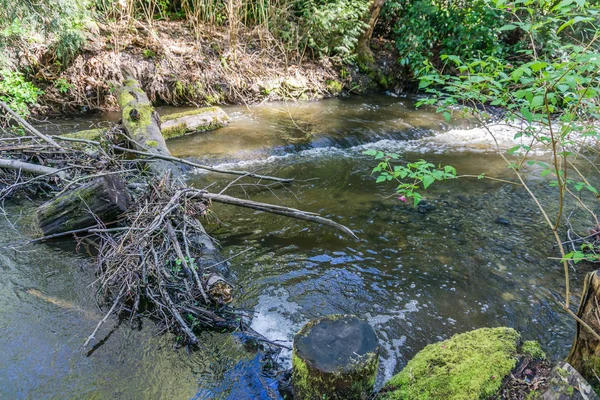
(16,92)
(332,28)
(425,29)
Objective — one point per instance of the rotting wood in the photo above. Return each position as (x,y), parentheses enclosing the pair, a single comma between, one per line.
(102,199)
(193,121)
(142,124)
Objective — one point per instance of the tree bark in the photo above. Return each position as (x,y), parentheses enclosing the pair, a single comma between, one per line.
(335,357)
(142,124)
(194,121)
(585,351)
(363,49)
(102,199)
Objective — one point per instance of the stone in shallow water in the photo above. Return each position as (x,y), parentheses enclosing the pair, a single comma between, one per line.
(335,357)
(469,366)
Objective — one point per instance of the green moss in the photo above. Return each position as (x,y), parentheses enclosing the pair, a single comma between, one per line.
(190,112)
(174,131)
(89,134)
(533,350)
(151,143)
(468,366)
(315,385)
(334,87)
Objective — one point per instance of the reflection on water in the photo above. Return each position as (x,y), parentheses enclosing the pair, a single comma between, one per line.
(474,256)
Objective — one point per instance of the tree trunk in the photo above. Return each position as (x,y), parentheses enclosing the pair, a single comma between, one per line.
(363,49)
(585,351)
(103,198)
(335,357)
(142,124)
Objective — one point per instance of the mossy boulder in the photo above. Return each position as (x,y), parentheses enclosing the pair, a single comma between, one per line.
(468,366)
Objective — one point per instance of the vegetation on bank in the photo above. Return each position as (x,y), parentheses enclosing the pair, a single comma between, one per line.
(67,55)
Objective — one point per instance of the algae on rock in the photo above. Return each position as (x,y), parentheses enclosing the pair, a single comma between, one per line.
(468,366)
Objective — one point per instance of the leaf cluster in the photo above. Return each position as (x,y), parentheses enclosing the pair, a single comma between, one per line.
(411,176)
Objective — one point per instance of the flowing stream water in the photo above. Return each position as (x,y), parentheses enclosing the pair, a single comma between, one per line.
(474,255)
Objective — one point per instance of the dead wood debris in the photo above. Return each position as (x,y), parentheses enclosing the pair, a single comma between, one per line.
(149,261)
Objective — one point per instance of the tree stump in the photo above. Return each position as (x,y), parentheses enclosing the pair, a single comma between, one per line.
(585,351)
(104,198)
(335,357)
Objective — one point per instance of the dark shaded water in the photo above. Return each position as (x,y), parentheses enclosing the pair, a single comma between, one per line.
(475,256)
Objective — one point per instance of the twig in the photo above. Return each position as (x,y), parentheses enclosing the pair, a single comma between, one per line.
(182,161)
(31,168)
(103,320)
(287,211)
(28,127)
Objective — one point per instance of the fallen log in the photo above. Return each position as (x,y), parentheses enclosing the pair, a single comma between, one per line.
(142,124)
(102,199)
(193,121)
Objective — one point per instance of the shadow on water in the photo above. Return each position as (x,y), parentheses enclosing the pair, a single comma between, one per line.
(474,256)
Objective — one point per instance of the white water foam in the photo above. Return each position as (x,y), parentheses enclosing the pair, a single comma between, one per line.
(271,319)
(497,137)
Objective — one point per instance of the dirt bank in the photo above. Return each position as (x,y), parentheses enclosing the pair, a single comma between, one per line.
(176,68)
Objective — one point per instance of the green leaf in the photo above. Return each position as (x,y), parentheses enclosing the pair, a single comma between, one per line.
(416,198)
(527,114)
(427,181)
(381,178)
(447,116)
(370,152)
(537,101)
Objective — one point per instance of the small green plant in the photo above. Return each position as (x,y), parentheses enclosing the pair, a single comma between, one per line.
(410,177)
(17,92)
(62,85)
(333,28)
(587,252)
(147,53)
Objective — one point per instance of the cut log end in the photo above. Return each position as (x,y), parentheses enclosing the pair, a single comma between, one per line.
(335,357)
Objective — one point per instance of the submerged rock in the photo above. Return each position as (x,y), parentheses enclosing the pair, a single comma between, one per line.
(468,366)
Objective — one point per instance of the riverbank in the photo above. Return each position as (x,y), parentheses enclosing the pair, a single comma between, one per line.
(176,68)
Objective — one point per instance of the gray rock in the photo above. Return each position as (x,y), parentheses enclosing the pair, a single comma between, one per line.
(566,383)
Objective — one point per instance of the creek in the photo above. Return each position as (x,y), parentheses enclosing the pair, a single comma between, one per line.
(475,255)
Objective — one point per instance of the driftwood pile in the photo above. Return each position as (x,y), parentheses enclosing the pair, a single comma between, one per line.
(136,215)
